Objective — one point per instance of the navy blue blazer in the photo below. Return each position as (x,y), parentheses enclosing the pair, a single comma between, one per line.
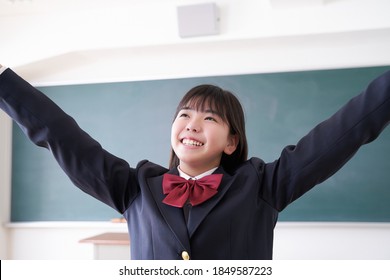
(238,222)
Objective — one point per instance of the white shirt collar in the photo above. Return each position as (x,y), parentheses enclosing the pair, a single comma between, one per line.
(187,177)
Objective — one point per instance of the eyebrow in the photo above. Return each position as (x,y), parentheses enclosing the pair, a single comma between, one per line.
(203,111)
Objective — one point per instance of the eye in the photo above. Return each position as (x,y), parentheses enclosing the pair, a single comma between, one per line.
(182,115)
(209,118)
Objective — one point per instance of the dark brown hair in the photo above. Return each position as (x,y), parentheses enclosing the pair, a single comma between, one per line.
(228,107)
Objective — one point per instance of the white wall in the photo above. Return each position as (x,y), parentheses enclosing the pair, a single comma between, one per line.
(56,240)
(60,41)
(293,241)
(52,42)
(5,181)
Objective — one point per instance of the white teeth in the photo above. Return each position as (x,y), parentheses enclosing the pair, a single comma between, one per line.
(190,142)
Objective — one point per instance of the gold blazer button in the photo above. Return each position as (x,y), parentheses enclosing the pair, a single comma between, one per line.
(185,255)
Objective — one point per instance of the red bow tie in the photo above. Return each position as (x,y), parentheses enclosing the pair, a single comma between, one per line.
(180,190)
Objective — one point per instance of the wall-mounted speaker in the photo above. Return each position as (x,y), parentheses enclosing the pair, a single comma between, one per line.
(198,20)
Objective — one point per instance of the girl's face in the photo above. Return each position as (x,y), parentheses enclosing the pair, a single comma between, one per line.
(199,138)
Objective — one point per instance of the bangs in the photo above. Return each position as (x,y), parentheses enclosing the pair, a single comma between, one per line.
(205,98)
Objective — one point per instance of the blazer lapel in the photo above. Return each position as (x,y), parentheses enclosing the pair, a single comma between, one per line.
(172,215)
(199,212)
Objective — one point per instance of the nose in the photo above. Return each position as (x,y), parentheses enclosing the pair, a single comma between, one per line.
(193,126)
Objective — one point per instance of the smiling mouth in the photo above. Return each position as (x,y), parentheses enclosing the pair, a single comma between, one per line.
(189,142)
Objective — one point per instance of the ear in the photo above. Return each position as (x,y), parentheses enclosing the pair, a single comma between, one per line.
(232,144)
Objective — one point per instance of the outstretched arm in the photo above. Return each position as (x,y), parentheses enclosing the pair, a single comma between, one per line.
(328,146)
(88,165)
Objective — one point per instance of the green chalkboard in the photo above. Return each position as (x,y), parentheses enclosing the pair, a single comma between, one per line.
(132,120)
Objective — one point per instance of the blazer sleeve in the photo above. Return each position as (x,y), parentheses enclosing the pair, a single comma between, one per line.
(327,147)
(91,168)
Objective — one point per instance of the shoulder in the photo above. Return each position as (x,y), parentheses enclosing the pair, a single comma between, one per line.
(149,169)
(253,165)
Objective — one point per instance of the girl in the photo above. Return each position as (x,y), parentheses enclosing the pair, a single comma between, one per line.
(228,207)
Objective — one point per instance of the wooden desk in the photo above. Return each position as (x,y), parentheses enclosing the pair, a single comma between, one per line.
(110,246)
